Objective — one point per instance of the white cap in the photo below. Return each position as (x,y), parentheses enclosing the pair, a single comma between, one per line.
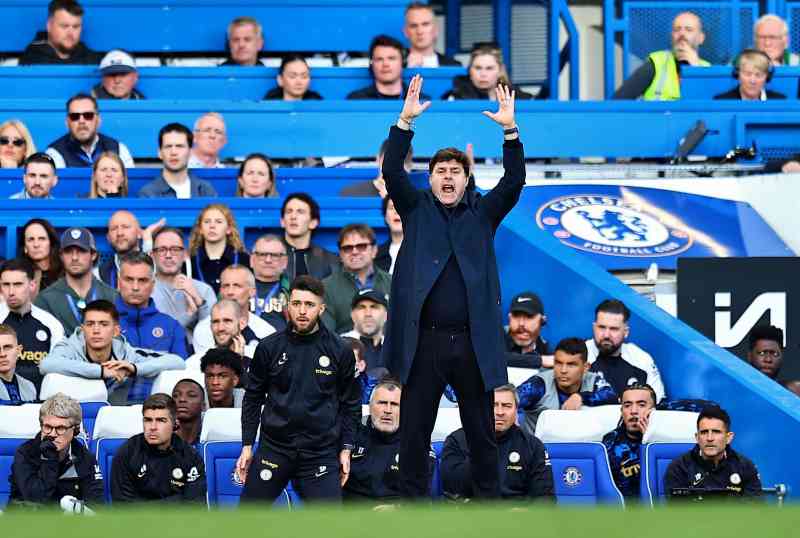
(117,62)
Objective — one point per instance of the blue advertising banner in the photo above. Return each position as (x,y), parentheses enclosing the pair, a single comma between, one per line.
(630,227)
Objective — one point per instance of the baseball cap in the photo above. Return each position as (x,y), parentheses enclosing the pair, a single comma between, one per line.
(78,237)
(527,302)
(370,294)
(117,62)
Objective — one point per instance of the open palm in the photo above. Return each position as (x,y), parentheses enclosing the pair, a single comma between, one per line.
(411,106)
(505,111)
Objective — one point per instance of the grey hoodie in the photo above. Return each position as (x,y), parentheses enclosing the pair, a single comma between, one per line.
(68,357)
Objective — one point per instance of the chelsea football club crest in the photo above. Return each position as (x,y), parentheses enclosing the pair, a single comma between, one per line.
(572,477)
(611,226)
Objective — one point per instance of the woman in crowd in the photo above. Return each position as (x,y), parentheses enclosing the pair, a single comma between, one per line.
(256,178)
(214,244)
(293,79)
(40,245)
(753,69)
(16,144)
(486,71)
(109,177)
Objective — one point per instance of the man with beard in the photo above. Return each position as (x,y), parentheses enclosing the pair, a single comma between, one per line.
(124,234)
(174,147)
(525,347)
(70,294)
(622,444)
(621,363)
(309,421)
(83,144)
(765,352)
(62,45)
(369,313)
(228,326)
(39,177)
(658,78)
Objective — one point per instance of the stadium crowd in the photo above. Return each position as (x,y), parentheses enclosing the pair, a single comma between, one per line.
(289,325)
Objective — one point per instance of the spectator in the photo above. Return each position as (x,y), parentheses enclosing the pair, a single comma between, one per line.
(68,296)
(772,37)
(227,326)
(753,69)
(175,181)
(486,71)
(658,78)
(55,464)
(215,244)
(124,233)
(367,379)
(96,351)
(386,67)
(83,144)
(623,443)
(368,313)
(765,350)
(299,218)
(525,471)
(190,402)
(109,177)
(314,454)
(569,385)
(245,41)
(712,465)
(39,178)
(525,347)
(35,330)
(14,389)
(792,386)
(621,363)
(209,139)
(222,369)
(256,178)
(16,144)
(140,321)
(268,261)
(294,79)
(237,284)
(62,44)
(387,252)
(120,76)
(175,294)
(421,31)
(374,465)
(41,247)
(157,465)
(377,186)
(357,252)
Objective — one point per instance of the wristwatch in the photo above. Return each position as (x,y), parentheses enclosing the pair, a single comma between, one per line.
(511,131)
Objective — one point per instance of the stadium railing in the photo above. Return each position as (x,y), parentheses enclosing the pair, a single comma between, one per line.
(197,26)
(706,82)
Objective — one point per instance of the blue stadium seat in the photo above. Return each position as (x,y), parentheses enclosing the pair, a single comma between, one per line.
(90,410)
(7,449)
(114,426)
(18,424)
(582,475)
(436,479)
(655,460)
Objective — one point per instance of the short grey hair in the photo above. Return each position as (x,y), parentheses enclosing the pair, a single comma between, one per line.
(62,406)
(242,21)
(208,115)
(138,257)
(251,279)
(770,17)
(271,238)
(387,383)
(228,303)
(509,387)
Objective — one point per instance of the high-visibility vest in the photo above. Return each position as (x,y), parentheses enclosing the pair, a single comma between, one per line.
(666,85)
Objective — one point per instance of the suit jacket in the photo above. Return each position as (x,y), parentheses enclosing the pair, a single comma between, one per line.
(431,234)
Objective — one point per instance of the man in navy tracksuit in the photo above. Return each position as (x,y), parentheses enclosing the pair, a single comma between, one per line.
(309,421)
(446,325)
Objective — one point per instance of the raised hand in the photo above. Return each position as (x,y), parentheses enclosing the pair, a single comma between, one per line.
(505,112)
(411,106)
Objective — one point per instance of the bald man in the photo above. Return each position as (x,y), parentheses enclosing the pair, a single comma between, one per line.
(124,233)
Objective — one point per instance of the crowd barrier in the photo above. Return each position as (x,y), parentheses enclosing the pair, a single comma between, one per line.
(706,82)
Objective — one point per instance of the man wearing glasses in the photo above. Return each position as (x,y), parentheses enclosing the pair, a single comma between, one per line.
(55,465)
(83,144)
(39,177)
(269,259)
(771,36)
(765,352)
(209,139)
(357,251)
(175,294)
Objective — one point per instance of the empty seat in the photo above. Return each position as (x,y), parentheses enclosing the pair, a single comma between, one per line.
(582,475)
(671,427)
(114,426)
(17,425)
(518,376)
(587,424)
(91,393)
(669,435)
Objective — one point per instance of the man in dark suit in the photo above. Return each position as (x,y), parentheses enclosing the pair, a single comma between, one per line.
(447,326)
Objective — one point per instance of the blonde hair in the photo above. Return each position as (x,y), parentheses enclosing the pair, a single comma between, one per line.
(769,17)
(495,53)
(196,238)
(123,189)
(30,147)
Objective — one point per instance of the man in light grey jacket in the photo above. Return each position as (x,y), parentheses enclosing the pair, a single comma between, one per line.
(97,351)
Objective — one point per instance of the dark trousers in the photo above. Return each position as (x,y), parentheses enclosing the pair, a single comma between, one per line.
(313,476)
(446,357)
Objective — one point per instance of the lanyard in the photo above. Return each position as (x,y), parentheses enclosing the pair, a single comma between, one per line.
(78,307)
(268,297)
(200,268)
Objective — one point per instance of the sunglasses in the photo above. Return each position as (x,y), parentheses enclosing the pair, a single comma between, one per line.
(75,116)
(360,247)
(19,142)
